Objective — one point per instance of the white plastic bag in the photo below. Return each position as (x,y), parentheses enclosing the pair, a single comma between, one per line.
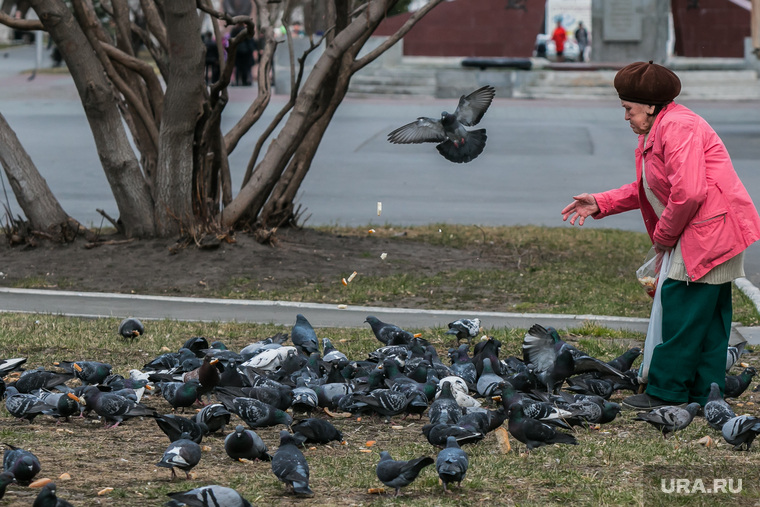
(654,331)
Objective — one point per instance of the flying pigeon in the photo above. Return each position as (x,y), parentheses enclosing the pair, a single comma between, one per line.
(245,444)
(464,329)
(23,464)
(131,328)
(48,498)
(208,496)
(303,336)
(183,454)
(451,463)
(669,419)
(456,143)
(399,474)
(740,431)
(534,433)
(6,478)
(717,411)
(290,466)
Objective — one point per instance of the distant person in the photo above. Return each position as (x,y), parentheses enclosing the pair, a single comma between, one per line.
(559,36)
(212,58)
(244,59)
(581,37)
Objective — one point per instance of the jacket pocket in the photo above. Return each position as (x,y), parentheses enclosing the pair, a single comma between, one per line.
(708,239)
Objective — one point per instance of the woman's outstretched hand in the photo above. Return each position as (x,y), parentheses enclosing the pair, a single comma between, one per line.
(582,206)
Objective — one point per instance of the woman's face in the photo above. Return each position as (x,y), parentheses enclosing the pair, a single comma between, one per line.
(639,116)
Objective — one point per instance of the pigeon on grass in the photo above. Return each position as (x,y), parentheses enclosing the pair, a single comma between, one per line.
(130,328)
(717,411)
(23,464)
(245,444)
(669,419)
(207,496)
(48,498)
(456,143)
(464,329)
(290,465)
(183,454)
(451,464)
(399,474)
(741,431)
(534,433)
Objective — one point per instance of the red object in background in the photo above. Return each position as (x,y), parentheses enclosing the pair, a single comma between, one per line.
(715,29)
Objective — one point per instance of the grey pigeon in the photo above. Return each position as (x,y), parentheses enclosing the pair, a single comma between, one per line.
(6,478)
(464,329)
(183,454)
(451,463)
(32,380)
(625,360)
(208,496)
(303,336)
(23,406)
(717,411)
(48,498)
(389,334)
(215,416)
(290,466)
(489,384)
(399,474)
(112,407)
(533,433)
(89,372)
(669,419)
(23,464)
(445,409)
(456,143)
(258,414)
(245,444)
(438,434)
(131,328)
(740,431)
(732,355)
(175,426)
(60,405)
(317,431)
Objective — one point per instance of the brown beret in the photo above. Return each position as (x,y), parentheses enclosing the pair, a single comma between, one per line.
(647,83)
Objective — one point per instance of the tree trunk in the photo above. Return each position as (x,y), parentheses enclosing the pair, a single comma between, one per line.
(119,162)
(255,193)
(31,190)
(183,106)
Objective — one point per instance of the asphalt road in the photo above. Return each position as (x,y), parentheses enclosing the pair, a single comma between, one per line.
(538,154)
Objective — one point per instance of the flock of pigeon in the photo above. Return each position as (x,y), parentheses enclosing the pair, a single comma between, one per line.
(554,387)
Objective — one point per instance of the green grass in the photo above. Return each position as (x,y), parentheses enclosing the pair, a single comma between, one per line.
(606,468)
(525,269)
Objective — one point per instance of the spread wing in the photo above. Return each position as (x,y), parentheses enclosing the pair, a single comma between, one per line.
(422,130)
(472,107)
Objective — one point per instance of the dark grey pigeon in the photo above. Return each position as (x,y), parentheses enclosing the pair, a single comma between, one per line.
(131,328)
(740,431)
(717,411)
(317,431)
(389,334)
(737,384)
(6,478)
(112,407)
(445,409)
(245,444)
(451,463)
(438,434)
(625,360)
(303,336)
(669,419)
(208,496)
(23,464)
(258,414)
(32,380)
(290,466)
(534,433)
(464,329)
(456,143)
(48,498)
(175,426)
(183,454)
(489,383)
(399,474)
(214,416)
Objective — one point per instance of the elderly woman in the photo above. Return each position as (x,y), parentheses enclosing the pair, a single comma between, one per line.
(694,206)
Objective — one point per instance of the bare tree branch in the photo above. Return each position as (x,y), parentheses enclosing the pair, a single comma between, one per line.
(155,90)
(390,41)
(155,24)
(20,24)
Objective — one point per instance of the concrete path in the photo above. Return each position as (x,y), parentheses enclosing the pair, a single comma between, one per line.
(539,154)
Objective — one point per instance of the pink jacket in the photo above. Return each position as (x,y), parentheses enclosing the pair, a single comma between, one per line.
(690,171)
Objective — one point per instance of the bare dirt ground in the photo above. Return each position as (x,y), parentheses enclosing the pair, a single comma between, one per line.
(149,267)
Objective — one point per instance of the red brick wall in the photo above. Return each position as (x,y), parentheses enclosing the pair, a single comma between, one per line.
(716,28)
(472,28)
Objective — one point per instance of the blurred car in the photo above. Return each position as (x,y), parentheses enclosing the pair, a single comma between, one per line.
(545,48)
